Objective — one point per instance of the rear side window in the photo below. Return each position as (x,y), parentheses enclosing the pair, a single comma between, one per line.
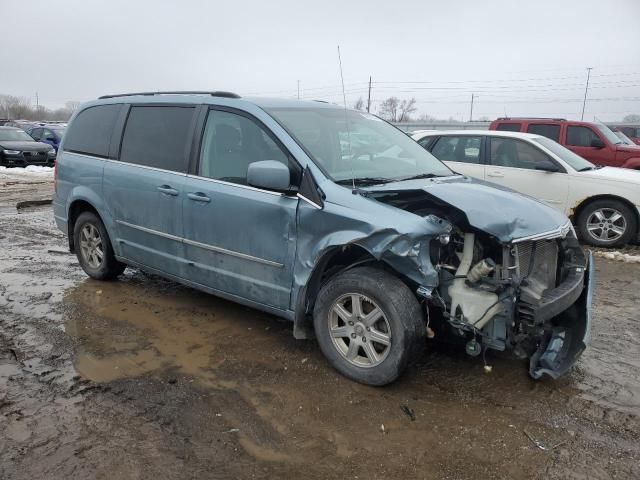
(580,136)
(509,127)
(157,137)
(90,132)
(546,130)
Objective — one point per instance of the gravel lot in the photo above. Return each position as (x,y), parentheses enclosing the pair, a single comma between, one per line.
(143,378)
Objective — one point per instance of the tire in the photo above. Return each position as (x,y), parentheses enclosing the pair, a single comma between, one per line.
(401,325)
(106,267)
(596,227)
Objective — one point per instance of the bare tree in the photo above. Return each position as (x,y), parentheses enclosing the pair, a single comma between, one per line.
(359,105)
(407,107)
(389,109)
(13,107)
(396,110)
(632,118)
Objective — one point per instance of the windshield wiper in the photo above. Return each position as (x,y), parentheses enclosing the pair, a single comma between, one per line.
(364,181)
(417,177)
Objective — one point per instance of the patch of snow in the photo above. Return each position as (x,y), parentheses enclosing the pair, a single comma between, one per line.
(28,172)
(618,256)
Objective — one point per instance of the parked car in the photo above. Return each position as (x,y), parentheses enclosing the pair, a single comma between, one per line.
(18,149)
(366,246)
(603,203)
(626,140)
(51,134)
(592,141)
(631,131)
(21,124)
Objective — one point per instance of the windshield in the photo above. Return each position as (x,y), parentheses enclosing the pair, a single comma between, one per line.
(370,151)
(575,161)
(14,136)
(608,133)
(624,138)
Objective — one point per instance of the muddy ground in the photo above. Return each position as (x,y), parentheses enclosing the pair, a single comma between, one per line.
(143,378)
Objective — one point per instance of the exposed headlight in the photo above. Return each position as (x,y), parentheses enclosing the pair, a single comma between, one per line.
(11,152)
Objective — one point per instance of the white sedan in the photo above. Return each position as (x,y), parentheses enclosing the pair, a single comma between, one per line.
(602,202)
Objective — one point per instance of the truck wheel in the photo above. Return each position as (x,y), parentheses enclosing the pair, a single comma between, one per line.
(607,223)
(93,248)
(369,325)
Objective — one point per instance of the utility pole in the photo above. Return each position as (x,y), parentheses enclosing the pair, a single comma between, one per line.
(473,95)
(298,89)
(586,88)
(369,98)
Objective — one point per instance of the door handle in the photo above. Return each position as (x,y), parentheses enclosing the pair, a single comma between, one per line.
(199,197)
(168,189)
(495,174)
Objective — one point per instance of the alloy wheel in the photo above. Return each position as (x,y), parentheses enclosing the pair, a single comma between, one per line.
(606,224)
(91,245)
(359,330)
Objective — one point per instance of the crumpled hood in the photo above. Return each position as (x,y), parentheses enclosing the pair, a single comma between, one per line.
(498,211)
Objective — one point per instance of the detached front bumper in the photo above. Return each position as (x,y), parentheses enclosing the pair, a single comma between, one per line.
(564,343)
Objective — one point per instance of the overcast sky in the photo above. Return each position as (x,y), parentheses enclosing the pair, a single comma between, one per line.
(519,57)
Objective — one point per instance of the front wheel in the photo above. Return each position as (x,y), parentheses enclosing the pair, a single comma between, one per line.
(369,325)
(607,223)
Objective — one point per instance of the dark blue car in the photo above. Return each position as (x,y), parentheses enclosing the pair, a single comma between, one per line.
(51,134)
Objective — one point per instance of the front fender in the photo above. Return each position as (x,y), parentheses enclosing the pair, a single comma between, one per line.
(633,162)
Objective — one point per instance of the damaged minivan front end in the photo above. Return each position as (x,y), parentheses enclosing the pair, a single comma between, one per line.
(394,248)
(510,279)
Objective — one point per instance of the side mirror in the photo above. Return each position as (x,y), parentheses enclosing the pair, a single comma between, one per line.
(270,175)
(547,166)
(597,143)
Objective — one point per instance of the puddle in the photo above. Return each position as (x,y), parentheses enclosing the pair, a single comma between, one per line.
(130,328)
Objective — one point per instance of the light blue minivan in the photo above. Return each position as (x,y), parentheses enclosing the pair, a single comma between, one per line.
(331,218)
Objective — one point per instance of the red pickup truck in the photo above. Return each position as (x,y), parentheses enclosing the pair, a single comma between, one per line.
(593,141)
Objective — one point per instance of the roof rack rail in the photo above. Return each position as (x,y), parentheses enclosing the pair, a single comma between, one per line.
(533,118)
(176,92)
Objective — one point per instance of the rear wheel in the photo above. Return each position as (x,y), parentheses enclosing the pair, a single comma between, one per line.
(607,223)
(369,325)
(93,248)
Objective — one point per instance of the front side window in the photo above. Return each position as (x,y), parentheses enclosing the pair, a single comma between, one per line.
(357,146)
(231,142)
(509,152)
(509,127)
(465,149)
(157,137)
(90,132)
(546,130)
(580,136)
